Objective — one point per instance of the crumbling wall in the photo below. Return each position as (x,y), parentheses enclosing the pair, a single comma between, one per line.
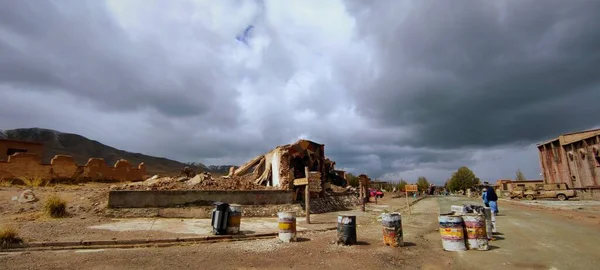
(24,165)
(63,168)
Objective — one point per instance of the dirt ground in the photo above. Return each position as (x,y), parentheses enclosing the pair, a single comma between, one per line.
(535,237)
(314,250)
(542,235)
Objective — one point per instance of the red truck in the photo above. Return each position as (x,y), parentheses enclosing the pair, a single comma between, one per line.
(375,193)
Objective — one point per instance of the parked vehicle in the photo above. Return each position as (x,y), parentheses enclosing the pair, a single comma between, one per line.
(560,191)
(375,193)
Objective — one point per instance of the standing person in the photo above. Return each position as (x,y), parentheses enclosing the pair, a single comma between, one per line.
(492,199)
(484,197)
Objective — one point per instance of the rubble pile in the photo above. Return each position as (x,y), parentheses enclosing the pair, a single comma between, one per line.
(201,181)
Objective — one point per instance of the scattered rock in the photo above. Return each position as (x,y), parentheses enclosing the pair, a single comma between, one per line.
(27,196)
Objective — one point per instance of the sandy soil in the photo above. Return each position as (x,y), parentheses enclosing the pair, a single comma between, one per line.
(533,237)
(313,251)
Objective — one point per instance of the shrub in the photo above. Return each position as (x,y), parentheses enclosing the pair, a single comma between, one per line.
(34,181)
(9,235)
(5,182)
(56,207)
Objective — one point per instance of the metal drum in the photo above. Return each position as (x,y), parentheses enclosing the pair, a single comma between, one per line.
(219,218)
(476,234)
(451,231)
(392,229)
(346,230)
(287,226)
(488,223)
(235,219)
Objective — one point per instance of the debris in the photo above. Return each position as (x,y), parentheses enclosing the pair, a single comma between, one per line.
(27,196)
(199,178)
(182,179)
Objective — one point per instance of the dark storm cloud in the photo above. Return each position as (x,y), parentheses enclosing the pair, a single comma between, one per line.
(78,47)
(482,73)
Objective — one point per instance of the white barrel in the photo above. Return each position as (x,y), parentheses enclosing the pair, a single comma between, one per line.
(476,234)
(488,222)
(235,219)
(494,227)
(452,233)
(458,209)
(287,226)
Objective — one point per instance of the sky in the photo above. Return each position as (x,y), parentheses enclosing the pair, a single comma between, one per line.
(393,88)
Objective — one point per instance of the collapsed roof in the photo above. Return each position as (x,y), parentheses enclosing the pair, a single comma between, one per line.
(280,166)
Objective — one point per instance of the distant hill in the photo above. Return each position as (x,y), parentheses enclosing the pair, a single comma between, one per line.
(222,169)
(82,148)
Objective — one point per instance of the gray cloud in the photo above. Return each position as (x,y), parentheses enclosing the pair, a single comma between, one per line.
(485,73)
(394,89)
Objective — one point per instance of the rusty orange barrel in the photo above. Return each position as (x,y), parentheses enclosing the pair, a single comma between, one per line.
(287,226)
(392,229)
(452,232)
(235,219)
(476,234)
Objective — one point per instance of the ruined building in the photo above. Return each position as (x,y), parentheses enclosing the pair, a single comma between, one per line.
(572,158)
(280,166)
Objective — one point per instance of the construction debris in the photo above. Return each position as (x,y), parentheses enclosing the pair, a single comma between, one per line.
(202,181)
(27,196)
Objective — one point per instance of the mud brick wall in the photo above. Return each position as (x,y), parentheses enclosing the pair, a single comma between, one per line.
(176,198)
(62,168)
(333,203)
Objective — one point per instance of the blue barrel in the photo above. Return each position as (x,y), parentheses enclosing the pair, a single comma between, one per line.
(346,230)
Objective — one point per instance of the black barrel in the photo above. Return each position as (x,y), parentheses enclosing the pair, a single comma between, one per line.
(346,230)
(219,218)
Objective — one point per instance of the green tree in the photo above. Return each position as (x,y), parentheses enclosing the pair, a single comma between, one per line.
(462,179)
(352,180)
(422,183)
(401,185)
(520,176)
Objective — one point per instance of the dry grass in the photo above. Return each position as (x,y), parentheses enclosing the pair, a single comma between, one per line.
(35,181)
(55,207)
(9,235)
(5,182)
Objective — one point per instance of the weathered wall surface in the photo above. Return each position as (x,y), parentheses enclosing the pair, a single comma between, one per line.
(63,168)
(174,198)
(202,211)
(333,203)
(577,164)
(29,147)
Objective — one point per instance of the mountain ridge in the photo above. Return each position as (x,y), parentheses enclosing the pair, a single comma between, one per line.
(82,149)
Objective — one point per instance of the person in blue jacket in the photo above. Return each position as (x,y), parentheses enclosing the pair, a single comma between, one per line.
(484,197)
(492,199)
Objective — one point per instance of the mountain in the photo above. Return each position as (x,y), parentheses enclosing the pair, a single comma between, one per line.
(82,148)
(222,169)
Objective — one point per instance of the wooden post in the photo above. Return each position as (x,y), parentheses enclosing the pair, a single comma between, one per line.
(407,203)
(307,196)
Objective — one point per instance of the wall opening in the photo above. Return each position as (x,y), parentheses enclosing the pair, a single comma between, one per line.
(12,151)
